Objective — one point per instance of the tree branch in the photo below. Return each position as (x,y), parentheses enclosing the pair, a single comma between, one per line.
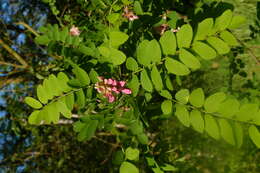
(10,64)
(28,27)
(12,52)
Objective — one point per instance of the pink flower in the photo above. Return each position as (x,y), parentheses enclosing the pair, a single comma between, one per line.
(122,83)
(126,91)
(109,87)
(111,98)
(74,31)
(129,14)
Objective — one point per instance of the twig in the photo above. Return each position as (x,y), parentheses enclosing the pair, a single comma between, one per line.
(28,27)
(10,64)
(12,52)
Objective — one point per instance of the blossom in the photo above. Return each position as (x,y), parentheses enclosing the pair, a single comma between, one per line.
(74,31)
(129,15)
(109,88)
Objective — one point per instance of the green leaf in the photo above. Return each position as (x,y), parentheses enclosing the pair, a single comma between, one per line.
(118,157)
(112,18)
(138,8)
(33,102)
(197,121)
(128,167)
(189,59)
(211,127)
(176,67)
(226,131)
(197,97)
(236,22)
(81,75)
(254,135)
(168,83)
(69,99)
(86,50)
(117,57)
(223,21)
(142,138)
(78,126)
(64,34)
(156,79)
(238,131)
(92,127)
(168,167)
(247,112)
(182,96)
(117,38)
(182,114)
(132,153)
(54,85)
(136,127)
(154,51)
(81,100)
(168,43)
(166,107)
(43,39)
(229,38)
(63,109)
(47,87)
(213,102)
(56,33)
(184,36)
(219,45)
(53,112)
(41,94)
(203,50)
(229,107)
(63,79)
(203,29)
(93,75)
(131,64)
(166,94)
(143,53)
(134,85)
(75,83)
(33,118)
(146,82)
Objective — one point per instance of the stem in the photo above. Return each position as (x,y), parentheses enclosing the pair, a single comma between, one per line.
(28,27)
(12,52)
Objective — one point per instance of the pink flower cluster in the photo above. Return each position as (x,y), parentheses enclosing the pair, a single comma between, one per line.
(74,31)
(109,87)
(129,14)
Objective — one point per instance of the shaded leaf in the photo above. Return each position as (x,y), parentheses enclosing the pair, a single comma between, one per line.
(156,79)
(146,82)
(182,114)
(211,127)
(226,131)
(197,120)
(166,107)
